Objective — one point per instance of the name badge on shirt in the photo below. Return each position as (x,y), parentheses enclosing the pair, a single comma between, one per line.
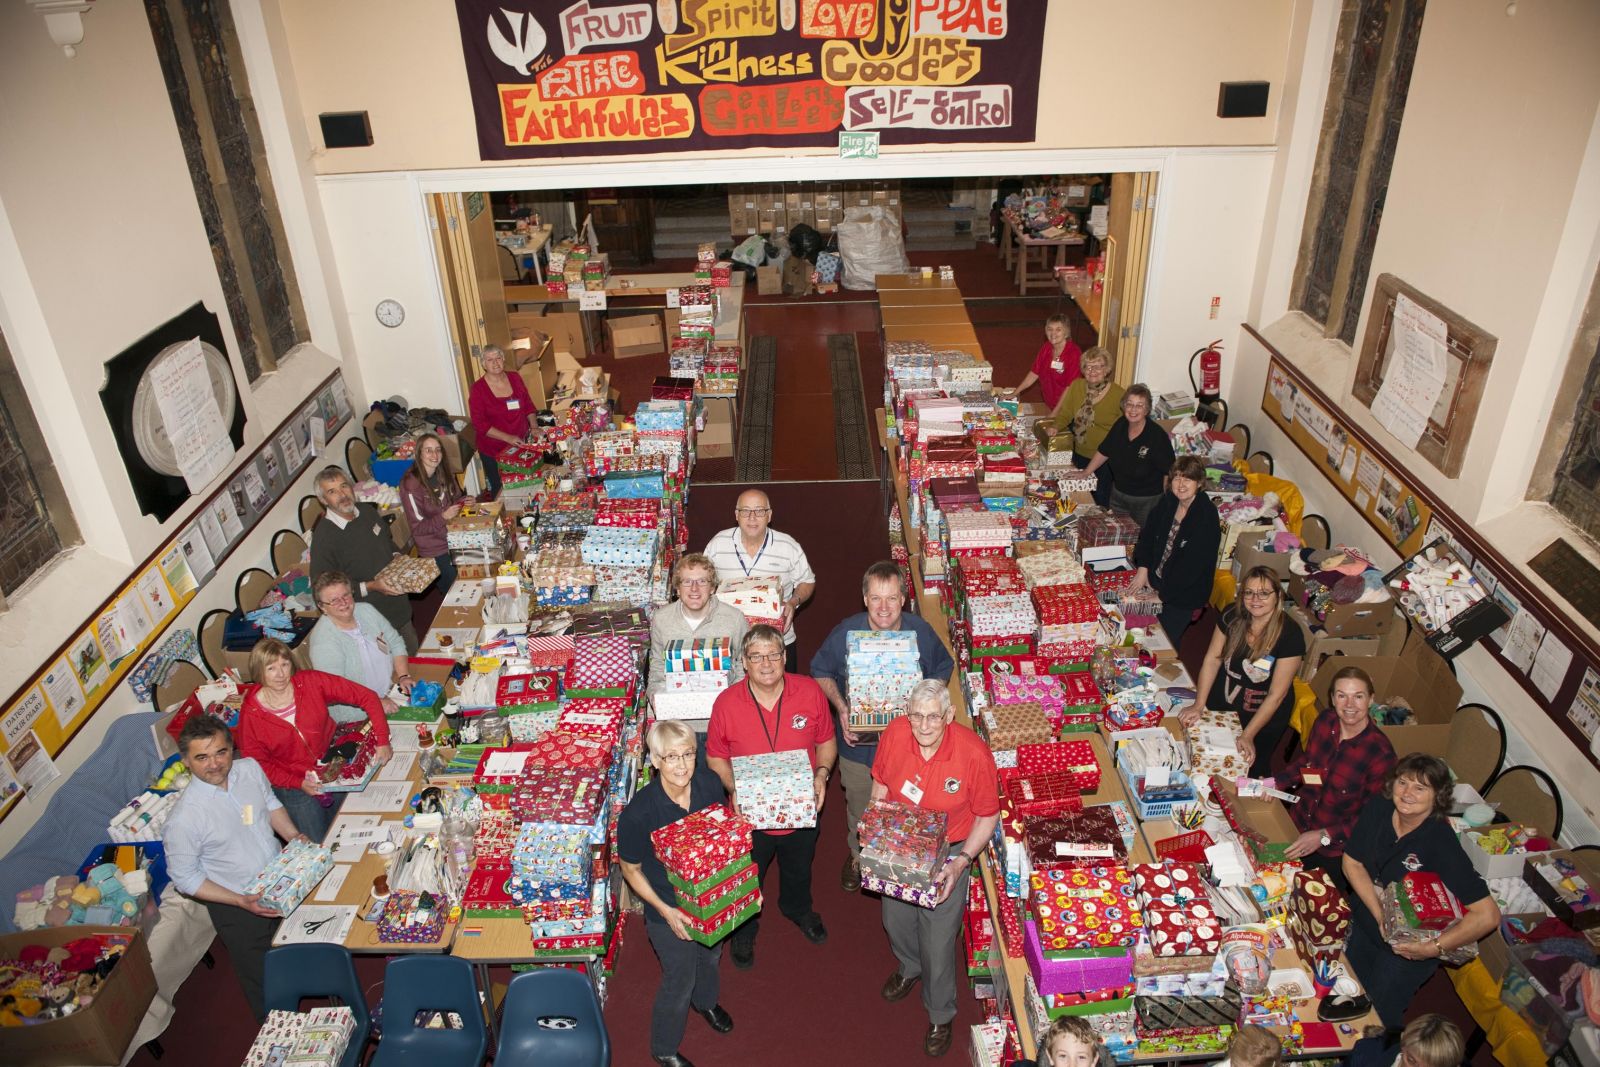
(247,814)
(513,405)
(377,529)
(911,791)
(1311,777)
(383,645)
(1057,366)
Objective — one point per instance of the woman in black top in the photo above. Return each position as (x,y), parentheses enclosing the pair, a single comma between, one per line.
(1402,831)
(1140,454)
(688,969)
(1177,550)
(1250,667)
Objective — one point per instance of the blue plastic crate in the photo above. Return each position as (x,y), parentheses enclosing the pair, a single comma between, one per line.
(153,851)
(390,471)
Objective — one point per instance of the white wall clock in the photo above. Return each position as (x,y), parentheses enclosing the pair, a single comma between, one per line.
(390,312)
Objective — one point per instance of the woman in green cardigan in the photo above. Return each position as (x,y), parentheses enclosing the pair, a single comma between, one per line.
(1087,410)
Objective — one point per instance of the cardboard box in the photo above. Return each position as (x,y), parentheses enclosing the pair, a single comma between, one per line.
(99,1033)
(636,335)
(1265,815)
(1245,557)
(564,328)
(1496,864)
(1351,620)
(797,276)
(1422,679)
(1588,869)
(769,281)
(1466,628)
(716,440)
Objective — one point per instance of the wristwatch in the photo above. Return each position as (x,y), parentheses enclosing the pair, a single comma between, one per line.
(1326,840)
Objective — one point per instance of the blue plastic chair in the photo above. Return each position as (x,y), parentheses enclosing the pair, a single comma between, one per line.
(550,1016)
(296,972)
(430,983)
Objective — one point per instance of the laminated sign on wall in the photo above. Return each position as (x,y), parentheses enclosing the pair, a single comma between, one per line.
(557,78)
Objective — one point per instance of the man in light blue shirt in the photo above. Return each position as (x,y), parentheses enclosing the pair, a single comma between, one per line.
(219,837)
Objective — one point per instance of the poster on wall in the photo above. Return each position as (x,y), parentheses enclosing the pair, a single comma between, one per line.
(570,77)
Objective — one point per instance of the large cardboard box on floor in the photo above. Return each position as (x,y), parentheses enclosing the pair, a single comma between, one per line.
(1421,678)
(636,335)
(769,281)
(564,328)
(1351,620)
(93,1035)
(716,440)
(797,276)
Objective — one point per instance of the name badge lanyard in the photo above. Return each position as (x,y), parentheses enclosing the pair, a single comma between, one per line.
(740,556)
(761,717)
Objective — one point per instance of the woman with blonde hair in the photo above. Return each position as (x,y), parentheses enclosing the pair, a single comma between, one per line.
(1250,667)
(1088,409)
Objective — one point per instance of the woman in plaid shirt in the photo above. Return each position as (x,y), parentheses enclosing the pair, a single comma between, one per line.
(1342,766)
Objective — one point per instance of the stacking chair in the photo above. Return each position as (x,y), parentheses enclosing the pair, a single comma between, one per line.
(1527,795)
(1477,745)
(210,630)
(1260,462)
(1241,438)
(358,457)
(1314,531)
(413,984)
(319,972)
(552,1016)
(287,548)
(182,678)
(311,510)
(252,585)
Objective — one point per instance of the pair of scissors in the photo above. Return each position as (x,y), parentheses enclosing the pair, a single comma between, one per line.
(311,927)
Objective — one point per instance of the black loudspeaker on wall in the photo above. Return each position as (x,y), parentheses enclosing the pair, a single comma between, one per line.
(345,129)
(1242,100)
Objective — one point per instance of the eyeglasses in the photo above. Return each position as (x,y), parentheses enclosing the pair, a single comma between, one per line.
(1260,594)
(337,600)
(764,657)
(693,583)
(752,511)
(925,716)
(676,757)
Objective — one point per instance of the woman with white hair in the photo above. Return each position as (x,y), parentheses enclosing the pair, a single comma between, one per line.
(927,760)
(689,976)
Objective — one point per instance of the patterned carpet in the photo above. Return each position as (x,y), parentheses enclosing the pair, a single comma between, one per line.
(754,449)
(852,433)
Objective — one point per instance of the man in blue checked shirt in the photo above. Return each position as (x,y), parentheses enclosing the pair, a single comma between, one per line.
(883,593)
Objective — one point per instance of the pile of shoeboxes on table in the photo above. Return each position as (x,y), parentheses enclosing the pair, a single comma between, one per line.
(697,313)
(719,373)
(315,1038)
(903,849)
(707,857)
(697,670)
(883,666)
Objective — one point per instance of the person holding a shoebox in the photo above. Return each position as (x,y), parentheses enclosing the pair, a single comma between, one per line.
(689,977)
(925,759)
(773,712)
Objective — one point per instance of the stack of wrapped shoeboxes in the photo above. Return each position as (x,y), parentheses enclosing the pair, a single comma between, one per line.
(719,373)
(1045,690)
(1079,943)
(705,259)
(1106,539)
(1182,1001)
(686,356)
(1008,726)
(697,670)
(1001,625)
(1213,742)
(776,789)
(622,558)
(882,665)
(759,600)
(903,849)
(315,1038)
(707,857)
(697,313)
(530,700)
(1069,618)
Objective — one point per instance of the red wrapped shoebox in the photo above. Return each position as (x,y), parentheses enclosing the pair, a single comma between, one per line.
(1079,908)
(1043,793)
(703,843)
(1075,757)
(1087,838)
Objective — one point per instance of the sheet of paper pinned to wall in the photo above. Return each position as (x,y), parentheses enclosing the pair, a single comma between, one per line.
(189,412)
(1414,375)
(1550,665)
(1585,710)
(1522,641)
(1369,472)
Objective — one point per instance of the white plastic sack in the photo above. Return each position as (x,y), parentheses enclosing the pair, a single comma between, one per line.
(752,251)
(870,244)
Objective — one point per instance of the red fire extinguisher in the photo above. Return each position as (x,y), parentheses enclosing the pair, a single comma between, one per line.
(1208,386)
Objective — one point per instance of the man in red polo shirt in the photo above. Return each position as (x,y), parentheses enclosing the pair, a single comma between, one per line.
(925,758)
(771,711)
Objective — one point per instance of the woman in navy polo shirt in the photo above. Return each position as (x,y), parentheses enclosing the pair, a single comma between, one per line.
(688,969)
(1405,830)
(927,760)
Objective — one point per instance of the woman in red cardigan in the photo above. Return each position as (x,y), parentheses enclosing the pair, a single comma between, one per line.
(284,726)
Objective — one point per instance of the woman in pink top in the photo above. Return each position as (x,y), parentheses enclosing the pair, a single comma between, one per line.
(502,413)
(1056,365)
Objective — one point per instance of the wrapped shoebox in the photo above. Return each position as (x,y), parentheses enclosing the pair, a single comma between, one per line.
(1213,745)
(1092,837)
(568,795)
(699,654)
(1426,903)
(903,843)
(758,599)
(1042,793)
(1098,529)
(559,748)
(315,1038)
(1397,925)
(1075,757)
(551,862)
(1009,726)
(1077,908)
(618,546)
(602,662)
(683,704)
(1159,1013)
(408,919)
(711,930)
(291,875)
(1084,969)
(775,790)
(733,884)
(703,844)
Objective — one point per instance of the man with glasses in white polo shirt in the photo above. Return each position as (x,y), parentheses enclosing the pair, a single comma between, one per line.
(752,549)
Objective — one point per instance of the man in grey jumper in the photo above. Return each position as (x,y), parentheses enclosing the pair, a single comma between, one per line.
(696,613)
(353,538)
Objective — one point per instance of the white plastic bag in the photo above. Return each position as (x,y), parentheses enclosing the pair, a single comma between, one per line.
(870,244)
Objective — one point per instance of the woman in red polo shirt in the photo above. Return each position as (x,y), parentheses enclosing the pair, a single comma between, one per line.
(927,760)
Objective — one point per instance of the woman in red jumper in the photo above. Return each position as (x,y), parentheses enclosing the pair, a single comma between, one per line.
(284,726)
(431,498)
